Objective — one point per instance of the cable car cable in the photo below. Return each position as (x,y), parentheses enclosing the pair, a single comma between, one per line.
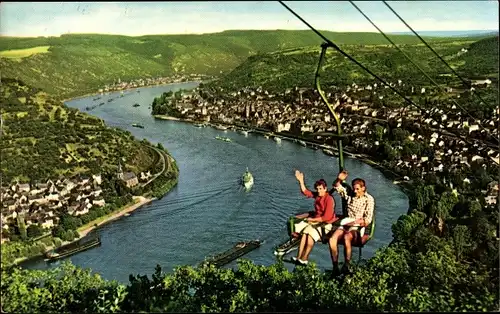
(333,45)
(412,62)
(467,84)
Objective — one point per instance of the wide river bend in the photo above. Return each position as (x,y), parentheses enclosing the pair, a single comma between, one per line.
(207,212)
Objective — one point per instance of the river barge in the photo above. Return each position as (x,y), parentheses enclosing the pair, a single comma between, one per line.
(222,138)
(72,248)
(238,250)
(328,152)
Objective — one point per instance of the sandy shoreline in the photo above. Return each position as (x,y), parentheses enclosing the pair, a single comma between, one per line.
(83,233)
(142,201)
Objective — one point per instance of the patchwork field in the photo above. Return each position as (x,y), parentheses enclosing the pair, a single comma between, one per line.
(23,53)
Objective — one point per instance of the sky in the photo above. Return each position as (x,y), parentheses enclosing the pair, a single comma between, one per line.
(26,19)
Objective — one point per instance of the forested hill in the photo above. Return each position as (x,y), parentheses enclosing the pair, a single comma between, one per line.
(482,58)
(43,139)
(296,67)
(77,64)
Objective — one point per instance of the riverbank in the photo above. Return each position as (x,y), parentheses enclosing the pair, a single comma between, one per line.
(86,229)
(215,181)
(89,227)
(398,179)
(405,185)
(140,200)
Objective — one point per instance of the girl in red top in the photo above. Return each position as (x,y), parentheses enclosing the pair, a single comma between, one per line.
(310,227)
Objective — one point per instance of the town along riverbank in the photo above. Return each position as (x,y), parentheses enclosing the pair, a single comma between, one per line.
(160,183)
(119,92)
(83,231)
(314,144)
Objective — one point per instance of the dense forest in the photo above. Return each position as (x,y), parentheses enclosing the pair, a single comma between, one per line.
(481,59)
(296,67)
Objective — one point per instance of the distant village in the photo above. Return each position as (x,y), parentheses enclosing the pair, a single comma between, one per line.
(300,111)
(43,203)
(119,85)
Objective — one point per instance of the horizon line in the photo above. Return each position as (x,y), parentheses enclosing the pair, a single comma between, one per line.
(259,30)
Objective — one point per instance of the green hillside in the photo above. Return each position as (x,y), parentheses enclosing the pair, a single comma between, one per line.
(42,139)
(296,67)
(482,58)
(77,64)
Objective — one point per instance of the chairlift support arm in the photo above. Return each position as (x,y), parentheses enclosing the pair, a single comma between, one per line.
(324,47)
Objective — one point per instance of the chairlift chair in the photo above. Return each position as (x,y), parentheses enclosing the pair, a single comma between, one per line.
(290,244)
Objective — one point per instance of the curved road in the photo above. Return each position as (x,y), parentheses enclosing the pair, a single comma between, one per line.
(162,157)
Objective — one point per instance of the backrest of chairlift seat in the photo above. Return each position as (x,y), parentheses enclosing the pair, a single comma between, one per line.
(368,237)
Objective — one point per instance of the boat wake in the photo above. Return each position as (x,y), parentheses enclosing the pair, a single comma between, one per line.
(182,198)
(174,210)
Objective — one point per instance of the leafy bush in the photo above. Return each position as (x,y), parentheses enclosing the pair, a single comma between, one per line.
(393,280)
(63,289)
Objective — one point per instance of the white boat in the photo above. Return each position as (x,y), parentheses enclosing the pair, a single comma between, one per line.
(328,152)
(302,143)
(221,127)
(244,132)
(247,179)
(277,139)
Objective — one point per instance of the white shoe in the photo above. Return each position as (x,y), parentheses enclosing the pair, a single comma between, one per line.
(294,259)
(303,262)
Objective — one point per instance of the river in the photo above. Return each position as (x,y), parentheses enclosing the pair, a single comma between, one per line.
(207,213)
